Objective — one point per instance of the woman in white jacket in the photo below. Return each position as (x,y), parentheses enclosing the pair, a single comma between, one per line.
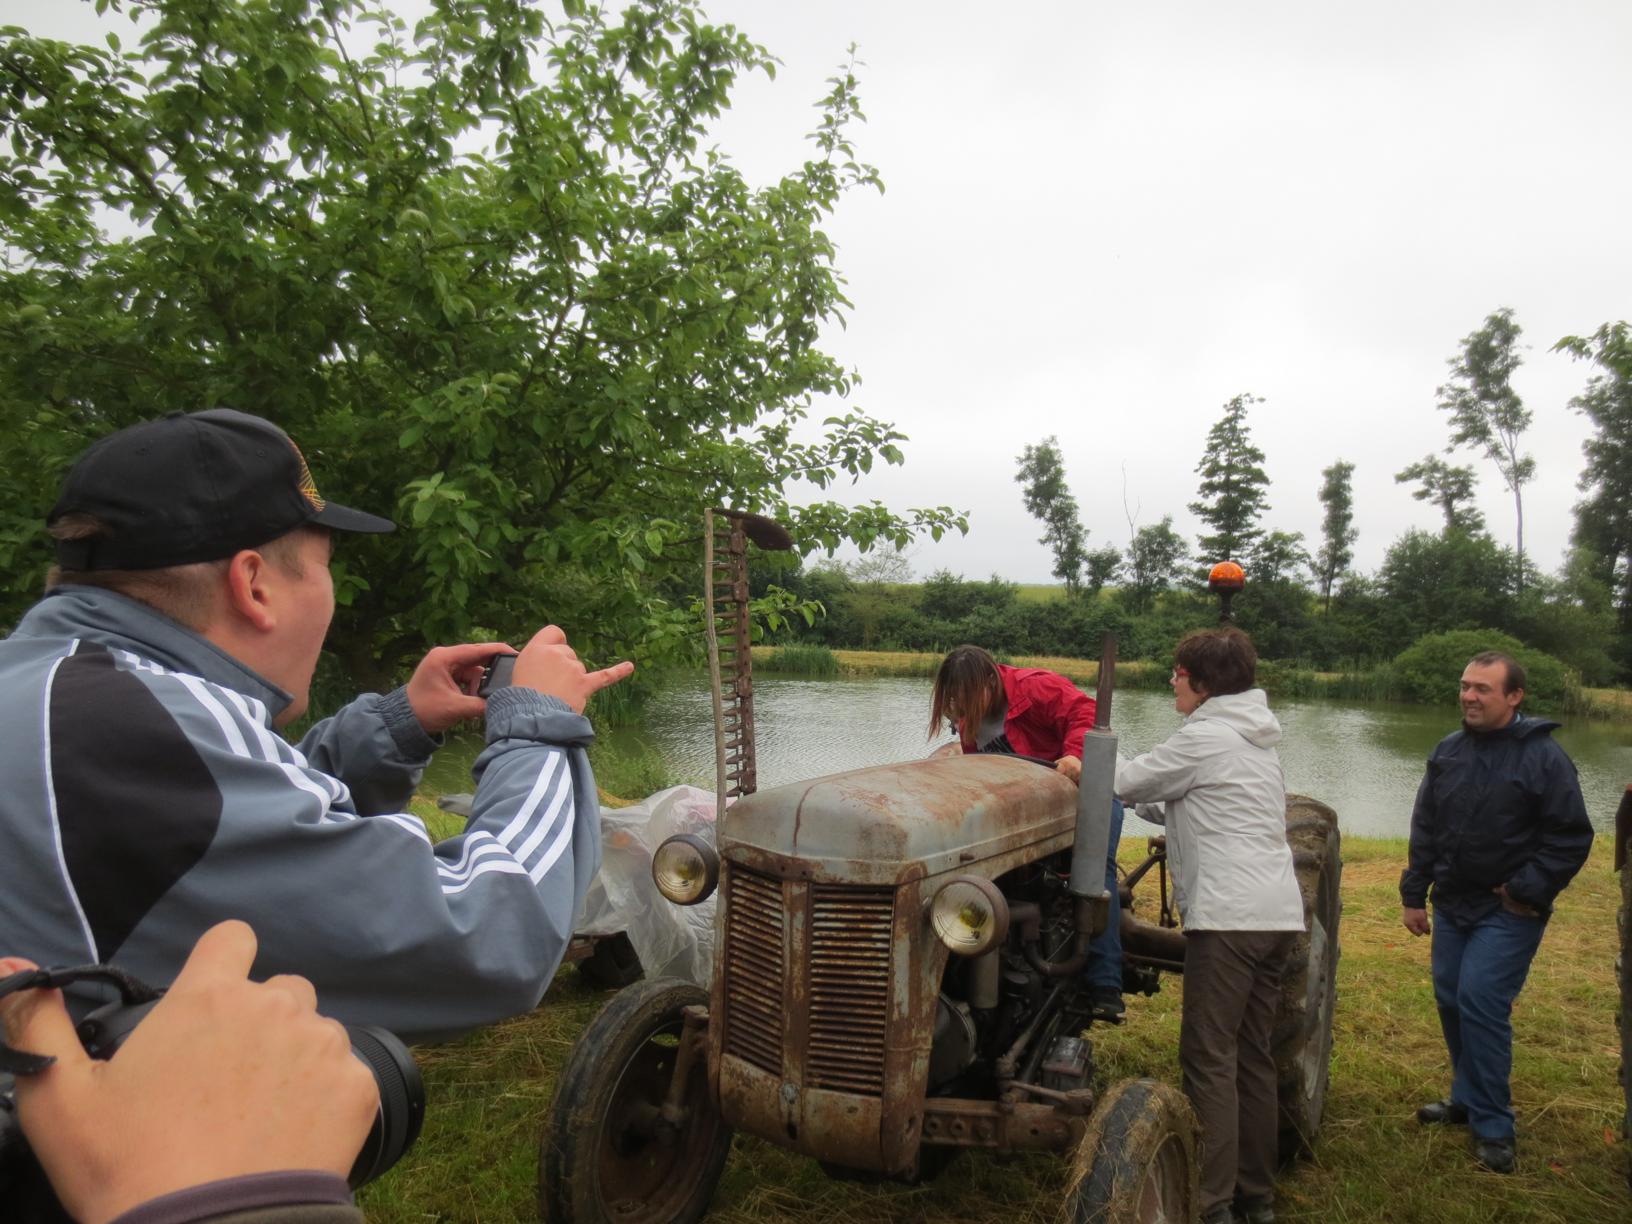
(1219,779)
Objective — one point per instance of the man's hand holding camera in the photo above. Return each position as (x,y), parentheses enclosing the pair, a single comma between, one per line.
(225,1077)
(442,690)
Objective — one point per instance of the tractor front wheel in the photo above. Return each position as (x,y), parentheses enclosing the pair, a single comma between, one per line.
(608,1154)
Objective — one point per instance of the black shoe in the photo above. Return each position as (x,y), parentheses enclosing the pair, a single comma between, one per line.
(1218,1214)
(1497,1155)
(1443,1113)
(1256,1211)
(1108,1007)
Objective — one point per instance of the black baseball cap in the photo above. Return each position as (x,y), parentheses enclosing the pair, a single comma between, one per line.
(193,487)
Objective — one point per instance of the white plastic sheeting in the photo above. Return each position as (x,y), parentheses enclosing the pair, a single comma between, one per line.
(671,940)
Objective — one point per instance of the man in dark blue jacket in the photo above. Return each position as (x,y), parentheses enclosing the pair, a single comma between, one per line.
(1498,830)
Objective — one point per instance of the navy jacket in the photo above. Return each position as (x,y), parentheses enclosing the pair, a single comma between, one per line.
(1498,807)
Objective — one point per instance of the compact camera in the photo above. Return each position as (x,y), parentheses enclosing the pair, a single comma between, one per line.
(496,674)
(102,1031)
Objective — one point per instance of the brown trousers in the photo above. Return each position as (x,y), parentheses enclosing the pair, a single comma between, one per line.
(1232,983)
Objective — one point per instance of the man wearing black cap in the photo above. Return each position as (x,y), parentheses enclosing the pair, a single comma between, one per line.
(144,795)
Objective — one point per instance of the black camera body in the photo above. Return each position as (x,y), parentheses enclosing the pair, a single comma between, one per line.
(104,1030)
(496,674)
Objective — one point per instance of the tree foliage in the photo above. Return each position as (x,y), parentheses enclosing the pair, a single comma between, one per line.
(1049,500)
(1337,530)
(1431,667)
(1450,488)
(1572,616)
(487,271)
(1278,556)
(874,581)
(1103,566)
(1603,518)
(1233,487)
(1156,561)
(1430,583)
(1487,415)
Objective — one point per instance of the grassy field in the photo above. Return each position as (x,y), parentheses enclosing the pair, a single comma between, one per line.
(476,1161)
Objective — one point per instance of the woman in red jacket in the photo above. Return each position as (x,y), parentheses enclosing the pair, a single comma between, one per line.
(1033,712)
(997,708)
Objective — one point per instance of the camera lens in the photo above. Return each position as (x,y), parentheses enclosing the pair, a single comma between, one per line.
(402,1101)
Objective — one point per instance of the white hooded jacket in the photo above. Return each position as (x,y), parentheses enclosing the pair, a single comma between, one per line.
(1220,779)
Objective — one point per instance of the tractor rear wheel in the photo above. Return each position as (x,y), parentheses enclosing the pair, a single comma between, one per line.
(1302,1040)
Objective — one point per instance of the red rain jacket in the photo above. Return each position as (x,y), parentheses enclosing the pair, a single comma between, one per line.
(1047,714)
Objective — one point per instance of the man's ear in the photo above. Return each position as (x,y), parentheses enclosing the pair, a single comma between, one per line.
(249,594)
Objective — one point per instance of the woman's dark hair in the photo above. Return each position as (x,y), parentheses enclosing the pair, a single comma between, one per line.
(1219,661)
(967,689)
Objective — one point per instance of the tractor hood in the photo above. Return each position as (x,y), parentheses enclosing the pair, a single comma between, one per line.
(892,822)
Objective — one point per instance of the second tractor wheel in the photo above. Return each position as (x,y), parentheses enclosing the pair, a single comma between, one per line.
(1139,1163)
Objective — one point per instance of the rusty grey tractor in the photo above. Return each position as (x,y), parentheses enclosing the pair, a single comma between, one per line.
(897,978)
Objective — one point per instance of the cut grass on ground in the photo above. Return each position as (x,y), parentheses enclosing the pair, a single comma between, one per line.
(477,1158)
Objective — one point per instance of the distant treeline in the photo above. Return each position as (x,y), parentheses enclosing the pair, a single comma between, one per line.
(1430,584)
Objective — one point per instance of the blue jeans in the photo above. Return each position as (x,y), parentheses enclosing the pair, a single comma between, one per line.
(1104,972)
(1478,972)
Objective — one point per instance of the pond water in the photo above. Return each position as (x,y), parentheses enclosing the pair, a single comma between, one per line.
(1363,760)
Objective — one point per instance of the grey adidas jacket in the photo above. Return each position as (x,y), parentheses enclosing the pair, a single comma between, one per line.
(144,797)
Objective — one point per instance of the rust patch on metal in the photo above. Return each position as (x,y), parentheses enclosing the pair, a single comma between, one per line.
(986,1124)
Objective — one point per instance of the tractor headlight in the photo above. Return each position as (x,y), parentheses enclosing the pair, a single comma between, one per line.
(969,915)
(686,869)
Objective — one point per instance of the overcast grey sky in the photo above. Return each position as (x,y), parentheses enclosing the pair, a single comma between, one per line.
(1104,220)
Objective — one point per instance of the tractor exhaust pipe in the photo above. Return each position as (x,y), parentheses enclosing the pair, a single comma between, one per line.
(1095,793)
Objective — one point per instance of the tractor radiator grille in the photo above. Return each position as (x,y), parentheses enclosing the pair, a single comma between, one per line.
(849,987)
(754,961)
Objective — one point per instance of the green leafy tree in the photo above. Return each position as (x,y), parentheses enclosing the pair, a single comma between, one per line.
(1603,518)
(1430,583)
(1572,615)
(1487,415)
(1337,528)
(875,590)
(490,273)
(1103,565)
(1156,561)
(946,599)
(1276,606)
(1430,668)
(1278,557)
(1042,479)
(1233,487)
(1450,488)
(946,596)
